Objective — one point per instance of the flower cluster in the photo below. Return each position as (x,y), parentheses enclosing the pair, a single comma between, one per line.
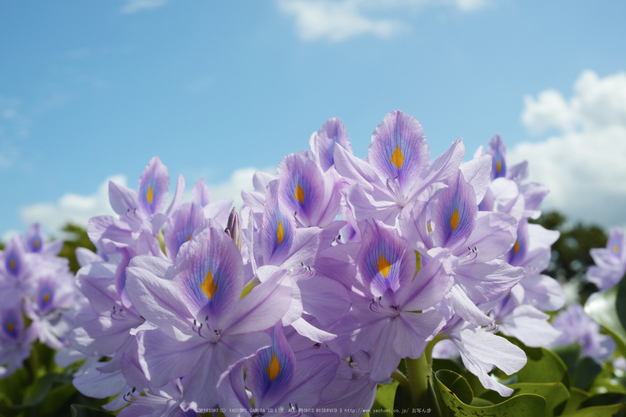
(37,298)
(335,269)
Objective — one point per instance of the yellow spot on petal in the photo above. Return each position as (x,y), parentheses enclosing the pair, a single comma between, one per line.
(274,369)
(36,244)
(454,220)
(13,264)
(615,248)
(499,166)
(299,194)
(11,326)
(208,286)
(280,233)
(429,226)
(397,157)
(418,263)
(516,247)
(383,266)
(46,298)
(150,195)
(189,238)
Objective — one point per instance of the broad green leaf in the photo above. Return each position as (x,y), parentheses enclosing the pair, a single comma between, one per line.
(577,397)
(554,393)
(602,411)
(457,385)
(385,395)
(480,402)
(604,399)
(82,411)
(37,392)
(439,364)
(56,399)
(524,405)
(542,365)
(602,308)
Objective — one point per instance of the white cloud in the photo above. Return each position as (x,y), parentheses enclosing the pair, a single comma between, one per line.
(133,6)
(584,164)
(471,5)
(335,21)
(74,208)
(338,20)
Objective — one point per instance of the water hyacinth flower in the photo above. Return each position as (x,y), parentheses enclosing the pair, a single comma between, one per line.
(334,270)
(475,238)
(15,339)
(203,328)
(610,262)
(577,327)
(397,170)
(390,317)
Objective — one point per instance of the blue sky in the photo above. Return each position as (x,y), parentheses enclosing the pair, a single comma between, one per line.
(92,90)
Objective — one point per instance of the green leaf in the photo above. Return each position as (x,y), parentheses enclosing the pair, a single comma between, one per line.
(439,364)
(37,392)
(604,399)
(524,405)
(603,411)
(481,402)
(57,398)
(456,384)
(603,309)
(383,404)
(82,411)
(542,365)
(555,394)
(577,397)
(402,399)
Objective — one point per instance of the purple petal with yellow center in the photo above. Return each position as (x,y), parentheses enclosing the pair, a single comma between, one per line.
(301,189)
(498,152)
(34,239)
(454,213)
(13,255)
(399,149)
(12,323)
(269,373)
(180,227)
(277,230)
(313,197)
(517,254)
(210,277)
(154,185)
(384,262)
(45,295)
(324,140)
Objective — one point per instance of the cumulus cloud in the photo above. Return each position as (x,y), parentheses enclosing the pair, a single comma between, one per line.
(134,6)
(584,163)
(78,209)
(337,21)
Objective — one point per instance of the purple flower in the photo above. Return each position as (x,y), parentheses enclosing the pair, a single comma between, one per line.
(610,262)
(203,327)
(390,317)
(397,170)
(577,327)
(15,340)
